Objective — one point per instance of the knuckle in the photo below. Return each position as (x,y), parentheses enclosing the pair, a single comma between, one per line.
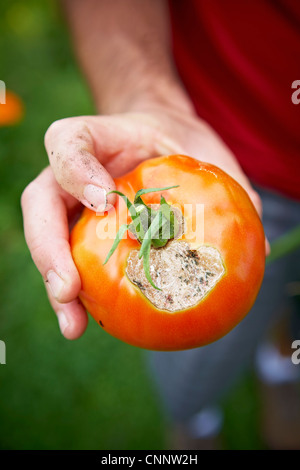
(52,130)
(56,128)
(35,186)
(68,143)
(28,193)
(68,126)
(44,251)
(38,250)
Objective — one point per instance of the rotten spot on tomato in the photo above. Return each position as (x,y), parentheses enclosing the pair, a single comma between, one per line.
(183,275)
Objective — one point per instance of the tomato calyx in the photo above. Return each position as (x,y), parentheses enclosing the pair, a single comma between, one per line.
(152,227)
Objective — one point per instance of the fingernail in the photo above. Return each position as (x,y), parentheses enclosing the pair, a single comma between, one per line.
(95,197)
(63,321)
(56,284)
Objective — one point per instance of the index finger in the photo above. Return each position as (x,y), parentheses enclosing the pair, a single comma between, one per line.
(71,152)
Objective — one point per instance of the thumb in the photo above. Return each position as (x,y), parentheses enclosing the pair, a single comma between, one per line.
(71,151)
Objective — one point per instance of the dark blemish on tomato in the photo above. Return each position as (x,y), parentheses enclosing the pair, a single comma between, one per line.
(139,284)
(101,323)
(193,254)
(92,205)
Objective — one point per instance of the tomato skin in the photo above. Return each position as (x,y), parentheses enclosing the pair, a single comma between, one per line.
(12,111)
(231,225)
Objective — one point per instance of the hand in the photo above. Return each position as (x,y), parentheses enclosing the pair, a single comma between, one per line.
(85,154)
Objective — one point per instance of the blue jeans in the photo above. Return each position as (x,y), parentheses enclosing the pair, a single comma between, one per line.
(191,380)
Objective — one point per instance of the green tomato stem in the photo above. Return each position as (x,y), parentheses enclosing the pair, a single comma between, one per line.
(147,225)
(284,245)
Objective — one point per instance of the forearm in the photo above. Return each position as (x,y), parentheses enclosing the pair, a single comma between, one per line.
(123,47)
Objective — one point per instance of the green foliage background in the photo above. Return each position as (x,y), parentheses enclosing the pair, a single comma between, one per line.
(96,392)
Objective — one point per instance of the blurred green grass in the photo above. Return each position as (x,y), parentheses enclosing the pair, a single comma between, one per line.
(93,393)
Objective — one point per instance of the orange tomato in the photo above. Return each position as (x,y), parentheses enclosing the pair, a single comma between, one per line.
(228,231)
(12,111)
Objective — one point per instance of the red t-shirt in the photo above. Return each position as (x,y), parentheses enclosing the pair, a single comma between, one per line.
(238,60)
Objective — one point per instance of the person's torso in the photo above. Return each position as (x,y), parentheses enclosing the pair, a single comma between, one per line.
(238,60)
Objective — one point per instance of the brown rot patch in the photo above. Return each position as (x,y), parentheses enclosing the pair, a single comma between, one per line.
(138,283)
(183,275)
(101,324)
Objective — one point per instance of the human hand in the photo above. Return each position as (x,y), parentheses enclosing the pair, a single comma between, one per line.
(85,154)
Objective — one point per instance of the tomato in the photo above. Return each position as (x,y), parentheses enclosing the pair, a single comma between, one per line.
(12,111)
(205,280)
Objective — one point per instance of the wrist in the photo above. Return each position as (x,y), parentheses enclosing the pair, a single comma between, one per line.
(166,97)
(145,97)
